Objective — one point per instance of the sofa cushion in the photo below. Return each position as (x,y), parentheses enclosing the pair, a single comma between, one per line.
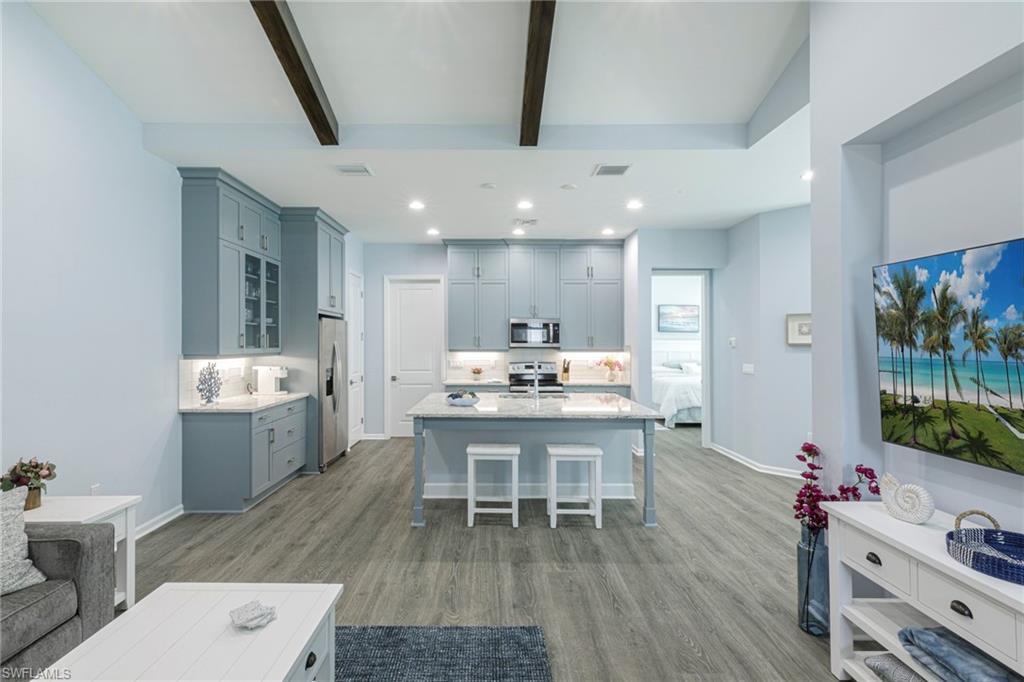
(29,614)
(16,569)
(42,654)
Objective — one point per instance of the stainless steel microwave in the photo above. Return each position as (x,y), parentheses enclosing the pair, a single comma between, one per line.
(533,333)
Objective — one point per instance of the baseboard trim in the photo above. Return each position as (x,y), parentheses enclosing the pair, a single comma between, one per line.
(376,436)
(158,521)
(457,491)
(756,466)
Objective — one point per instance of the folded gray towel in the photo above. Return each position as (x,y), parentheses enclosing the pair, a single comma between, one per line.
(891,669)
(952,658)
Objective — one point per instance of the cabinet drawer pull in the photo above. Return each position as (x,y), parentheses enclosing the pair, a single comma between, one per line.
(310,660)
(262,418)
(291,460)
(291,409)
(873,559)
(290,432)
(961,608)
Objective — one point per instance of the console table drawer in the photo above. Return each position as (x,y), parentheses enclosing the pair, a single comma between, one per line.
(877,559)
(314,656)
(966,611)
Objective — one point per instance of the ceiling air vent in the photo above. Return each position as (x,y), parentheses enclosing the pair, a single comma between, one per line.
(610,169)
(355,170)
(524,222)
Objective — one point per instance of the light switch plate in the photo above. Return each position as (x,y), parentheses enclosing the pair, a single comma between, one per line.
(748,368)
(732,342)
(455,364)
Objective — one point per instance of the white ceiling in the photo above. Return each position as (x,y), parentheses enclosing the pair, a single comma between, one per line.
(690,188)
(461,64)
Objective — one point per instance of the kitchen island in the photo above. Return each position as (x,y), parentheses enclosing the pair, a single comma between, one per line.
(518,417)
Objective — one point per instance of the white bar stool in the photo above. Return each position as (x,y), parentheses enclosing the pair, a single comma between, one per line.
(575,453)
(492,452)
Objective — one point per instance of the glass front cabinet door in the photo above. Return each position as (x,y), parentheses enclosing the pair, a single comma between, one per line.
(252,311)
(271,306)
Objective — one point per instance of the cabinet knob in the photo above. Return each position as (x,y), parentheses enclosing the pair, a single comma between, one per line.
(873,559)
(961,608)
(290,432)
(291,409)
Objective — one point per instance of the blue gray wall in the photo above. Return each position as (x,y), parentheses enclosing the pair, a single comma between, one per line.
(380,260)
(763,416)
(92,279)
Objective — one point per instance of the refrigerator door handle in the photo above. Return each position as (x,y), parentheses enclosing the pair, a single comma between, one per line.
(334,367)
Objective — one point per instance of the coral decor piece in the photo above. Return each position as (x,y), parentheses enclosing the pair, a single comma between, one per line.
(906,502)
(209,384)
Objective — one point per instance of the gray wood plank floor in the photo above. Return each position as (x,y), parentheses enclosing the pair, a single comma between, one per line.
(708,595)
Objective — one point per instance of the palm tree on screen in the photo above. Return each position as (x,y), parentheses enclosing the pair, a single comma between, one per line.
(947,314)
(931,344)
(1006,345)
(907,296)
(979,337)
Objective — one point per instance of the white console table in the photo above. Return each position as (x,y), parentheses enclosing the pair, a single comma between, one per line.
(118,510)
(929,588)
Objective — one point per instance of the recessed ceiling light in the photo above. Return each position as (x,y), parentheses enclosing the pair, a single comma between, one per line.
(634,204)
(570,185)
(417,205)
(807,175)
(488,185)
(524,205)
(608,231)
(433,231)
(519,232)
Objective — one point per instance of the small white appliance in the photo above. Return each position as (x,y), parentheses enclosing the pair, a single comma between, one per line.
(268,378)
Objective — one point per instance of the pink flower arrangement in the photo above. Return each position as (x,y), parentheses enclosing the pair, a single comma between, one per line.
(810,496)
(32,474)
(611,363)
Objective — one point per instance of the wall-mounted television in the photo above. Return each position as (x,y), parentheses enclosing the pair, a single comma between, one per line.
(950,336)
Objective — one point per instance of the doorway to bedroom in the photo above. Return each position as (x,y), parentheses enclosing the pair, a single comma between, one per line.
(679,335)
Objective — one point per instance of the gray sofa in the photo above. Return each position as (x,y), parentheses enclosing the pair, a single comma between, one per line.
(39,624)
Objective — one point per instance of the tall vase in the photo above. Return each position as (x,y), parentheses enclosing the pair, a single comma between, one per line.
(34,498)
(812,582)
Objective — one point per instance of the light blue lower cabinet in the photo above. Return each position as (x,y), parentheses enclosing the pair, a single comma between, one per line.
(476,388)
(232,460)
(596,388)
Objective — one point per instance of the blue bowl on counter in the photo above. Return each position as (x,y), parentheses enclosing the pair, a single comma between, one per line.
(463,402)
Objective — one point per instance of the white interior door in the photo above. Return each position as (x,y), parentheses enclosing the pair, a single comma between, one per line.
(354,313)
(415,347)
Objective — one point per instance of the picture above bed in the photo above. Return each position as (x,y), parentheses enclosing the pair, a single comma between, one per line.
(950,342)
(679,318)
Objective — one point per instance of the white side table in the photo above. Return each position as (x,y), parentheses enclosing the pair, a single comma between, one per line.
(118,510)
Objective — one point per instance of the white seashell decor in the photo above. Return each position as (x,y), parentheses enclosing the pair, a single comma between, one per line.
(906,501)
(252,615)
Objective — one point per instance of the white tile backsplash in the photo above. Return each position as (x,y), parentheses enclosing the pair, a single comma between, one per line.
(235,372)
(584,365)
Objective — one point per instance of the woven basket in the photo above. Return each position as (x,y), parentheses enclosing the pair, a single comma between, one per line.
(992,551)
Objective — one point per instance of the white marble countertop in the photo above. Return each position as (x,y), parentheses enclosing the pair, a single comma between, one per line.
(562,406)
(243,403)
(594,382)
(470,382)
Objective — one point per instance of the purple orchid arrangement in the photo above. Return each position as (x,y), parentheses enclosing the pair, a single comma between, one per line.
(810,496)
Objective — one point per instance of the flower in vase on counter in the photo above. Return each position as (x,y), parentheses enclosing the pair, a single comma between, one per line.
(477,372)
(613,366)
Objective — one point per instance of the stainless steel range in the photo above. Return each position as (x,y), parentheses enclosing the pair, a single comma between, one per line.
(523,377)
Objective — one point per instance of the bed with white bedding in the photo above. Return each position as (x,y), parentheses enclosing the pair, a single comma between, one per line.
(677,393)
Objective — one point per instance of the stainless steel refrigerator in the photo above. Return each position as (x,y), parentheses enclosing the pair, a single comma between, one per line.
(333,379)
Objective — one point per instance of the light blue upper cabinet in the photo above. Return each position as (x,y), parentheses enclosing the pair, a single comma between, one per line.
(478,296)
(462,309)
(592,321)
(492,263)
(606,315)
(270,236)
(492,315)
(337,277)
(230,245)
(575,328)
(521,282)
(323,269)
(575,262)
(314,242)
(606,262)
(545,283)
(461,263)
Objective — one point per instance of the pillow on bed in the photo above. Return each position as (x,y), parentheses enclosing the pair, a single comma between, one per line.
(671,365)
(686,368)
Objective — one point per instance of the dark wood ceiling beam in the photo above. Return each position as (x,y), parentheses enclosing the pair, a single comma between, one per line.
(281,30)
(538,46)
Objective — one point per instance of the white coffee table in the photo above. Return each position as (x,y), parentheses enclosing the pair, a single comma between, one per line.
(182,631)
(118,510)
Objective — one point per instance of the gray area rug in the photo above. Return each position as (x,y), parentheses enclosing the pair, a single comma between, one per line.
(515,654)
